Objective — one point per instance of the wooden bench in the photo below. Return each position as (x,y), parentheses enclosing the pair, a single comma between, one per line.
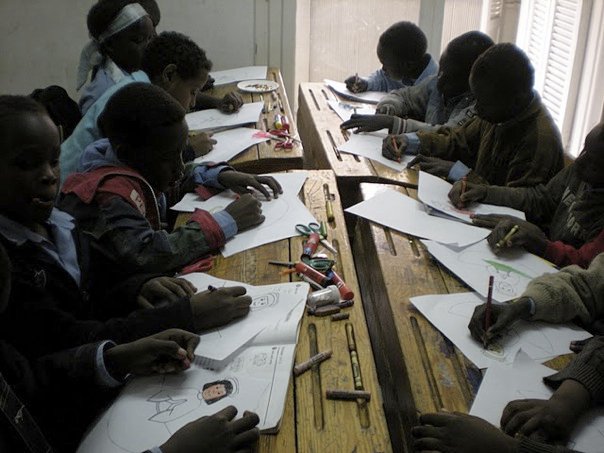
(310,422)
(319,128)
(263,157)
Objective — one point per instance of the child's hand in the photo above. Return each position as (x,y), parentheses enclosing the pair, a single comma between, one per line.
(202,143)
(247,212)
(230,103)
(164,289)
(239,182)
(356,84)
(528,235)
(368,123)
(394,146)
(386,107)
(166,352)
(433,165)
(218,433)
(473,193)
(460,433)
(216,308)
(502,316)
(547,420)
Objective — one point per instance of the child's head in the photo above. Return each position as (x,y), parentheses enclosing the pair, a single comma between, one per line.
(152,9)
(175,63)
(123,29)
(147,129)
(29,161)
(590,163)
(457,60)
(401,49)
(5,278)
(502,82)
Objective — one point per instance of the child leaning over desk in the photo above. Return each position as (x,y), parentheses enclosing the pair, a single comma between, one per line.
(57,291)
(512,142)
(402,52)
(565,216)
(45,393)
(117,200)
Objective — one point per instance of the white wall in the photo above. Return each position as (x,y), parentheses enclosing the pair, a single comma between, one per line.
(42,39)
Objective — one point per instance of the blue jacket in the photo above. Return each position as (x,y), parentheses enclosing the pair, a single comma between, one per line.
(378,81)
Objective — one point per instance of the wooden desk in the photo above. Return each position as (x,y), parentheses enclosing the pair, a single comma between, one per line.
(319,128)
(263,157)
(310,422)
(419,369)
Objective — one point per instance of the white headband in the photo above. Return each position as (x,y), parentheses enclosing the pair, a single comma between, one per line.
(91,54)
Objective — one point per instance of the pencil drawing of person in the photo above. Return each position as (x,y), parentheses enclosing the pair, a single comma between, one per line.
(213,392)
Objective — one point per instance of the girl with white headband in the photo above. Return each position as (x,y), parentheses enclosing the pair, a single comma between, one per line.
(120,31)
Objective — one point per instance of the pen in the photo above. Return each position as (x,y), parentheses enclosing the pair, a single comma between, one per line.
(212,288)
(395,146)
(487,313)
(463,185)
(507,237)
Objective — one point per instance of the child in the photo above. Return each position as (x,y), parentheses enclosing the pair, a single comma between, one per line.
(443,99)
(116,201)
(402,52)
(513,141)
(171,61)
(569,209)
(120,31)
(55,292)
(80,381)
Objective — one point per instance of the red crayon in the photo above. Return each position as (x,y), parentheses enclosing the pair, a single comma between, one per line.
(335,279)
(314,275)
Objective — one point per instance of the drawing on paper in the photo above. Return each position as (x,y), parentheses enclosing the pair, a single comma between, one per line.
(264,301)
(448,207)
(213,392)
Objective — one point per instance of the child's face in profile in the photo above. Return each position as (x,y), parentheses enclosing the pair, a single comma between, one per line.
(452,77)
(126,47)
(29,169)
(492,104)
(185,90)
(393,67)
(590,163)
(165,148)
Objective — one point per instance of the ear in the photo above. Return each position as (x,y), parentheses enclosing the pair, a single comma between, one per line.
(169,74)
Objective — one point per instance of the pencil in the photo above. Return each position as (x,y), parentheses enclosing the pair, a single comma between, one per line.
(394,144)
(463,185)
(487,313)
(507,237)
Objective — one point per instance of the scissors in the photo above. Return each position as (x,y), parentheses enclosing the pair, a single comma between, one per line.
(314,227)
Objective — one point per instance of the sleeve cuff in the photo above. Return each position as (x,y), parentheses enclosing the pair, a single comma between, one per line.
(413,144)
(208,175)
(586,375)
(227,223)
(458,171)
(103,375)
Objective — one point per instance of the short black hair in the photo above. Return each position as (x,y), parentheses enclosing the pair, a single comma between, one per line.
(171,47)
(13,105)
(507,67)
(466,48)
(405,41)
(152,9)
(134,112)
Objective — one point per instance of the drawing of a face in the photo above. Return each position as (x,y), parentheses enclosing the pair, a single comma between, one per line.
(264,301)
(215,391)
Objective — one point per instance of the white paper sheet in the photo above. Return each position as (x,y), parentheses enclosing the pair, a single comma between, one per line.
(451,314)
(371,97)
(502,384)
(238,74)
(230,143)
(282,214)
(150,409)
(401,213)
(210,119)
(345,111)
(512,271)
(434,192)
(369,145)
(271,304)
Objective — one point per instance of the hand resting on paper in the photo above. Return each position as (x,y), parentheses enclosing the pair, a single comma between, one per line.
(356,84)
(247,212)
(547,420)
(164,289)
(368,123)
(460,433)
(473,194)
(218,433)
(216,308)
(202,143)
(230,103)
(165,352)
(433,165)
(502,316)
(527,235)
(239,182)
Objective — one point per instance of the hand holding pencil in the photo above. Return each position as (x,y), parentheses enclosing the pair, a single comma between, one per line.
(394,146)
(500,318)
(356,84)
(511,232)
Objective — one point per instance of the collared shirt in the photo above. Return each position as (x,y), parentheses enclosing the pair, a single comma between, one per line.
(107,75)
(61,247)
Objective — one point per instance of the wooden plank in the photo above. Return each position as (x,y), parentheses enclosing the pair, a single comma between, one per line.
(263,157)
(320,133)
(310,422)
(420,370)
